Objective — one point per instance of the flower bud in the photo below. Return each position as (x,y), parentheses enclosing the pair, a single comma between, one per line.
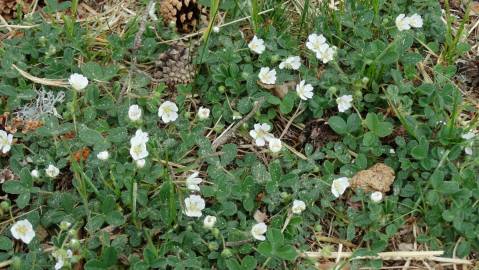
(215,232)
(226,253)
(221,88)
(16,263)
(5,205)
(213,246)
(275,58)
(65,225)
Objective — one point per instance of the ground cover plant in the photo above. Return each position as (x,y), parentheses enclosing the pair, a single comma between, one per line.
(231,134)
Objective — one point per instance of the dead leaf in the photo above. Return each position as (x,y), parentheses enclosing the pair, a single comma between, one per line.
(377,178)
(260,216)
(279,90)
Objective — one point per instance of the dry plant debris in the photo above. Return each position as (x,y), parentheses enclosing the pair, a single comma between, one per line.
(379,177)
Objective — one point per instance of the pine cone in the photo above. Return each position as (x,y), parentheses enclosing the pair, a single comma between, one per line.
(8,8)
(174,66)
(187,14)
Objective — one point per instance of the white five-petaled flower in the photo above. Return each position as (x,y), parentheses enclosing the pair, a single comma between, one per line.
(140,137)
(23,230)
(257,45)
(344,102)
(168,111)
(275,145)
(261,134)
(326,54)
(138,142)
(35,173)
(138,151)
(203,113)
(78,81)
(259,230)
(298,206)
(216,29)
(103,155)
(415,20)
(468,136)
(402,22)
(194,204)
(5,141)
(304,91)
(134,113)
(209,222)
(315,42)
(339,186)
(52,171)
(140,163)
(376,196)
(193,181)
(292,62)
(267,75)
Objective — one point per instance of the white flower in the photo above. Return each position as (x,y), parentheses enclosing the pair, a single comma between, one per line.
(59,264)
(134,113)
(267,75)
(194,205)
(402,22)
(138,151)
(326,54)
(468,136)
(261,134)
(168,111)
(257,45)
(209,222)
(468,151)
(392,151)
(376,196)
(315,42)
(415,20)
(237,115)
(275,145)
(298,206)
(344,102)
(103,155)
(140,163)
(339,186)
(35,173)
(292,62)
(140,137)
(203,113)
(65,225)
(23,230)
(52,171)
(193,181)
(304,91)
(216,29)
(78,81)
(151,12)
(259,230)
(5,141)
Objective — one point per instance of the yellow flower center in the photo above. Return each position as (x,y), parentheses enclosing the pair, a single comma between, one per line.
(22,229)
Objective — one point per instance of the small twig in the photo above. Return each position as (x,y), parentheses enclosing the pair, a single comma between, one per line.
(136,46)
(225,136)
(321,238)
(238,243)
(296,114)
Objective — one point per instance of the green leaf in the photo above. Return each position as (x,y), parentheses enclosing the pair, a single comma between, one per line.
(286,252)
(249,263)
(229,154)
(115,218)
(266,249)
(5,243)
(353,123)
(338,125)
(378,127)
(23,200)
(260,173)
(420,151)
(109,256)
(233,264)
(275,237)
(287,104)
(13,187)
(90,136)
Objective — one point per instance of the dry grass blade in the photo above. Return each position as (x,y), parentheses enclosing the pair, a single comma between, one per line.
(43,81)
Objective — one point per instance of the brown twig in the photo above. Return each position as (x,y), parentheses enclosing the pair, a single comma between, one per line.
(225,136)
(136,46)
